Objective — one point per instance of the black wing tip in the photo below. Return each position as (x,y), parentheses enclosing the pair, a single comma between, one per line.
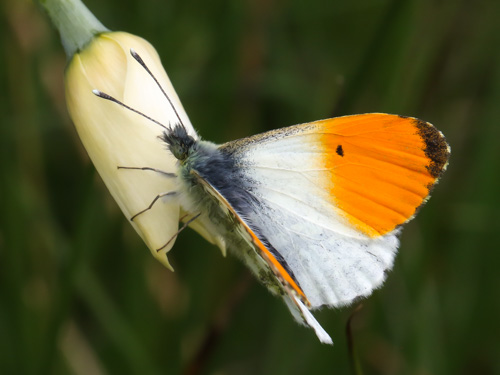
(436,147)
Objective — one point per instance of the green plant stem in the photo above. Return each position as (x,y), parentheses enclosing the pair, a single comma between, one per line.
(353,354)
(76,24)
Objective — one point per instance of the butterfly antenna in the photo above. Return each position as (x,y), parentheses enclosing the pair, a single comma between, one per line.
(138,58)
(103,95)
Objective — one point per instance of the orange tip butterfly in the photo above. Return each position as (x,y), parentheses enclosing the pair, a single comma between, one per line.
(314,210)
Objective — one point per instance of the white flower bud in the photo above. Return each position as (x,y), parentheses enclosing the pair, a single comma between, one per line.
(115,136)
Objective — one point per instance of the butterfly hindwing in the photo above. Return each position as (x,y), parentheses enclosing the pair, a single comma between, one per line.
(269,267)
(270,257)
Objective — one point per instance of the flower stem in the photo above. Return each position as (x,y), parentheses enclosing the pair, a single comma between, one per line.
(76,24)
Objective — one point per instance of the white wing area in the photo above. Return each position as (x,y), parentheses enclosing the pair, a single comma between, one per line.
(333,263)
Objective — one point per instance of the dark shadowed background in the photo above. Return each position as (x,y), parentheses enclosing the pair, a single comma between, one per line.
(81,294)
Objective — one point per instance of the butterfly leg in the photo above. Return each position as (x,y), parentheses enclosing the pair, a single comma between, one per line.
(153,202)
(166,174)
(180,230)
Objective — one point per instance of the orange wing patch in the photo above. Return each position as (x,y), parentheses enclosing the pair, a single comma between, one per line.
(382,167)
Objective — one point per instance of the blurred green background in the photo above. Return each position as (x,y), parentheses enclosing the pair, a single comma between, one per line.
(81,294)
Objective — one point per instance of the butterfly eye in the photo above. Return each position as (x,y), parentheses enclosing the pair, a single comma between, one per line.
(179,151)
(179,143)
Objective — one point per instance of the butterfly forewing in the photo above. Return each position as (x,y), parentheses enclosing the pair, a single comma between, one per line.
(333,193)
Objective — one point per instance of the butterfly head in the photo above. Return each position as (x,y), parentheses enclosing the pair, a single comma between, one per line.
(179,142)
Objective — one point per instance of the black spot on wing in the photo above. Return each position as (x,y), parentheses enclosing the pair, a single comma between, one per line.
(340,150)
